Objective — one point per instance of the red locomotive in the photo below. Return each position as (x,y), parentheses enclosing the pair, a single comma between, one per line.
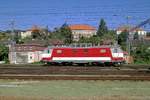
(83,55)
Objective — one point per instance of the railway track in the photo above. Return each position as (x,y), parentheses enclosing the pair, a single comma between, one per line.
(74,73)
(73,70)
(77,77)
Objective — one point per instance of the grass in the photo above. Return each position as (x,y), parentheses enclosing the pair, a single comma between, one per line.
(74,90)
(74,98)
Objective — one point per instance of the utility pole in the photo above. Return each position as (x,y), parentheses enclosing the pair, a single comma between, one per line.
(12,25)
(128,43)
(127,18)
(46,31)
(12,41)
(116,32)
(128,38)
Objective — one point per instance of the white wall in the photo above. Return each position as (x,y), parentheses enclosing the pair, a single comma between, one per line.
(85,33)
(26,34)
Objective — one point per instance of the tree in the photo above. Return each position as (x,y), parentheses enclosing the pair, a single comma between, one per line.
(109,38)
(141,54)
(94,40)
(136,36)
(4,36)
(122,39)
(83,40)
(17,38)
(102,29)
(67,33)
(3,53)
(148,34)
(63,33)
(36,34)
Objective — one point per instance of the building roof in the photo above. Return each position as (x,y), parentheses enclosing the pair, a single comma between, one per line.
(81,27)
(127,28)
(27,48)
(34,28)
(147,38)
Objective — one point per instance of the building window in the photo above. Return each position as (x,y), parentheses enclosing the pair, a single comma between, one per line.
(30,57)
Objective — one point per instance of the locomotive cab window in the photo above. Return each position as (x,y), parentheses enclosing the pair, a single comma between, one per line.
(103,51)
(115,50)
(48,51)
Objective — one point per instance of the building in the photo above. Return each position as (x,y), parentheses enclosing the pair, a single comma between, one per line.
(30,31)
(82,30)
(140,31)
(25,34)
(25,53)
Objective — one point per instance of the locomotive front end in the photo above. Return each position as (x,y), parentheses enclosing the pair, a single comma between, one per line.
(117,55)
(46,55)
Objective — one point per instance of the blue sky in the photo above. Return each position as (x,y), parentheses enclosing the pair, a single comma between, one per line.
(54,13)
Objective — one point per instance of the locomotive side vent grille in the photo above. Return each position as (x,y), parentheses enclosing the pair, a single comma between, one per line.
(59,51)
(103,51)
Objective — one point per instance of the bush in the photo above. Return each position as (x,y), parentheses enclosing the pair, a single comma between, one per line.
(4,53)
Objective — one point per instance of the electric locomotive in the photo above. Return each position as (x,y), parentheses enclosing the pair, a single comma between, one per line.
(112,55)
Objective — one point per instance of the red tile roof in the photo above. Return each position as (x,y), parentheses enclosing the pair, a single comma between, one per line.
(35,28)
(127,28)
(81,27)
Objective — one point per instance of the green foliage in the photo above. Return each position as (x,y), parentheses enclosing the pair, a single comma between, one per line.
(7,36)
(122,39)
(4,36)
(94,40)
(136,36)
(109,37)
(36,35)
(148,34)
(17,39)
(141,54)
(102,29)
(75,90)
(26,39)
(67,33)
(63,33)
(4,53)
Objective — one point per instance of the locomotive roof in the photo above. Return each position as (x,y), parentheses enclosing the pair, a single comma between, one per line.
(82,46)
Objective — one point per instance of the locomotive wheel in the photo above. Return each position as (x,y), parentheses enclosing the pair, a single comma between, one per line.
(83,64)
(95,63)
(67,63)
(107,64)
(118,64)
(86,64)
